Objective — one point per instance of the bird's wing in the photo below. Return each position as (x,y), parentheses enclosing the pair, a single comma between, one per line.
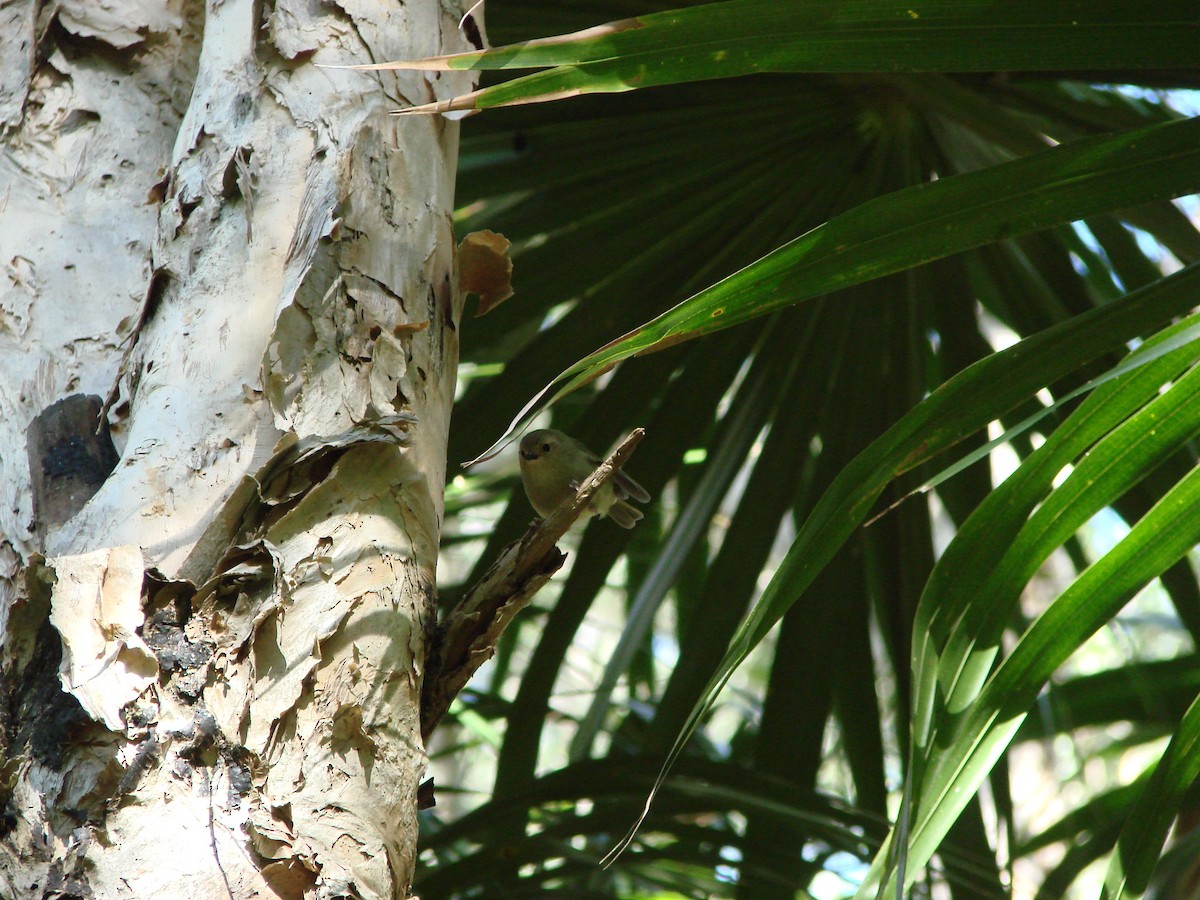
(626,487)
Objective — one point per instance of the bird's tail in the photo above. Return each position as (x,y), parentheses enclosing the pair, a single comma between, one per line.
(623,514)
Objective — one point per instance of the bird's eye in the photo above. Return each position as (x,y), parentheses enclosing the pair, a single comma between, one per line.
(545,448)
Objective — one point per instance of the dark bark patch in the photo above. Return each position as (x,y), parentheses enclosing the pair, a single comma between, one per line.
(146,753)
(471,31)
(40,719)
(63,886)
(70,455)
(165,633)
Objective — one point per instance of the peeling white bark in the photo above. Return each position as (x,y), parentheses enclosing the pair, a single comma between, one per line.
(96,608)
(87,144)
(252,261)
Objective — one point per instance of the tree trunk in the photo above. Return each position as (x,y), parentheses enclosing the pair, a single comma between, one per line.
(229,342)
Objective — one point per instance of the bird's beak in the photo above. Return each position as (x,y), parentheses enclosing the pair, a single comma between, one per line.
(526,454)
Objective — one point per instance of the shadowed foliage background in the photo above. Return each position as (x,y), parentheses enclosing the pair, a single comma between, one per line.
(927,683)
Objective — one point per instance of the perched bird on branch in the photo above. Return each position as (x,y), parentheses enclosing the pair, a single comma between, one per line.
(554,465)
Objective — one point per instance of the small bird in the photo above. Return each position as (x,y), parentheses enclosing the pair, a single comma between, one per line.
(554,465)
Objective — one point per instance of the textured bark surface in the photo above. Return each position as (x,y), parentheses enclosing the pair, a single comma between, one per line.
(211,672)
